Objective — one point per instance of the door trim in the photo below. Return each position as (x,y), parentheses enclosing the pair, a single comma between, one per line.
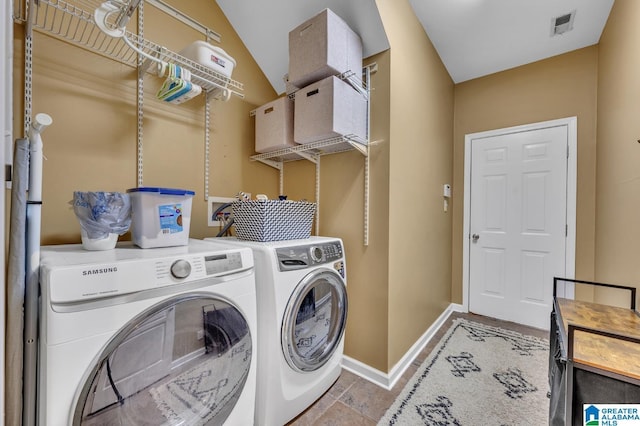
(572,168)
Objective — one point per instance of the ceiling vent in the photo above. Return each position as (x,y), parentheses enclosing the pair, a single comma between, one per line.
(562,24)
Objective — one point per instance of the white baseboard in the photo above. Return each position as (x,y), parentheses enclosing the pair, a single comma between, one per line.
(388,380)
(456,307)
(366,372)
(187,358)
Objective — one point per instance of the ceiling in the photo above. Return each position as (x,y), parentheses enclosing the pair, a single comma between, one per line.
(473,37)
(480,37)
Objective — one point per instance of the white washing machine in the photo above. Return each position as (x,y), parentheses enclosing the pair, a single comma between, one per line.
(161,336)
(302,313)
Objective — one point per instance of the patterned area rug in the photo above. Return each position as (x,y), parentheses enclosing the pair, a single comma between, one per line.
(477,375)
(207,392)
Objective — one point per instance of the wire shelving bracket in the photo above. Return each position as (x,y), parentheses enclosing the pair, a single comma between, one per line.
(314,150)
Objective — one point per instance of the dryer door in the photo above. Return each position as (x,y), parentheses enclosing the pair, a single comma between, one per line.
(314,320)
(183,361)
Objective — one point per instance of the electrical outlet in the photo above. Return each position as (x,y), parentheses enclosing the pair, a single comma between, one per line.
(200,335)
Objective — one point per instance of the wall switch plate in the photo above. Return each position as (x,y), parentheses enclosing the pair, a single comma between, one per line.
(213,203)
(446,190)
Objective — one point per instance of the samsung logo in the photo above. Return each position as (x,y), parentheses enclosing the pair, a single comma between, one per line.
(100,271)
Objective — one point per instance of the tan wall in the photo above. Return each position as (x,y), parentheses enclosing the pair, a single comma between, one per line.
(618,176)
(91,145)
(342,215)
(411,269)
(420,163)
(562,86)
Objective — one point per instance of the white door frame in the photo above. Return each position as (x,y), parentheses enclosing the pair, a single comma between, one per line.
(572,168)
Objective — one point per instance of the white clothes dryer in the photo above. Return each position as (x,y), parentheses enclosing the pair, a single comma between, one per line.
(302,313)
(161,336)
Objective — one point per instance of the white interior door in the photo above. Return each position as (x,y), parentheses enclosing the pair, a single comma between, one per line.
(139,361)
(517,223)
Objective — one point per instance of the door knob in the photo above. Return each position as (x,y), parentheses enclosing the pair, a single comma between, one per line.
(475,237)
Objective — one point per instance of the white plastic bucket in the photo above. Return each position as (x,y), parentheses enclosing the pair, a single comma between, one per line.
(160,217)
(106,243)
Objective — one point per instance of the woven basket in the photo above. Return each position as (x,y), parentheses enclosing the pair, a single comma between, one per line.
(273,220)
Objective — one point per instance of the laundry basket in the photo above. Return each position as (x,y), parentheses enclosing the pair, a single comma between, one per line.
(273,220)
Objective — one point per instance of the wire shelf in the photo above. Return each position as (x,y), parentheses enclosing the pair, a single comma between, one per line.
(323,147)
(348,76)
(73,23)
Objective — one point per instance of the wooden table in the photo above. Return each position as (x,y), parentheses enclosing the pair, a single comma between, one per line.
(613,355)
(602,365)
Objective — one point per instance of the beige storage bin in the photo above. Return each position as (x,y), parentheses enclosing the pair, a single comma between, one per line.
(274,125)
(329,108)
(323,46)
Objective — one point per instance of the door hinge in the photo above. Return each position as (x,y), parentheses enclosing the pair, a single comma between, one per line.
(567,151)
(566,230)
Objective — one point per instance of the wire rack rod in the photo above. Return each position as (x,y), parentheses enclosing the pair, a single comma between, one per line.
(350,77)
(140,105)
(172,11)
(74,24)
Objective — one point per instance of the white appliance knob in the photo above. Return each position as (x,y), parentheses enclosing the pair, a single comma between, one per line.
(180,268)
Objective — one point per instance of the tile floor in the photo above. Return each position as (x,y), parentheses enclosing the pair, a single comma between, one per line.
(355,401)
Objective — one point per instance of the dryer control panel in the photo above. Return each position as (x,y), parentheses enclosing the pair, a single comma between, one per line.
(301,257)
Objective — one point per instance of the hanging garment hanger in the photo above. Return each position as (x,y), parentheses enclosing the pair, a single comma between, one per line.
(104,13)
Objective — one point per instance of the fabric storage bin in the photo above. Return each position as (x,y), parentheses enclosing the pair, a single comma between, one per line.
(274,125)
(210,56)
(329,108)
(323,46)
(273,220)
(160,217)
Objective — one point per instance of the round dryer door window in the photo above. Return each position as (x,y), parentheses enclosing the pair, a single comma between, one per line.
(314,320)
(184,361)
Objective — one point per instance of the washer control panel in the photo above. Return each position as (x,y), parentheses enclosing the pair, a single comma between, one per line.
(138,272)
(300,257)
(197,267)
(180,269)
(221,263)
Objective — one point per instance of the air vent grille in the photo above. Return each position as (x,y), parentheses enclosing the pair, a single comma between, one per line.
(564,19)
(563,23)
